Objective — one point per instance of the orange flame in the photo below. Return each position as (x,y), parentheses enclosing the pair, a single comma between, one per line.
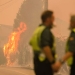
(11,48)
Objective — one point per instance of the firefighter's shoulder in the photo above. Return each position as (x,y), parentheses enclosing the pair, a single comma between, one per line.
(46,30)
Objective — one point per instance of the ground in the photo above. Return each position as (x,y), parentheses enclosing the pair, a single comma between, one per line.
(20,71)
(15,71)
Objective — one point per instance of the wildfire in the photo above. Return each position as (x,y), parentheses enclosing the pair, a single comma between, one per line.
(11,48)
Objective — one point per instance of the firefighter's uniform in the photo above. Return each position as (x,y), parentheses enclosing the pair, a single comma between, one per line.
(42,37)
(71,47)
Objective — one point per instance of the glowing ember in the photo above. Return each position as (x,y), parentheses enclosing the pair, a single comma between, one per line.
(11,48)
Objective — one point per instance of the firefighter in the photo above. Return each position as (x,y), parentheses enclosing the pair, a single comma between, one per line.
(43,46)
(70,49)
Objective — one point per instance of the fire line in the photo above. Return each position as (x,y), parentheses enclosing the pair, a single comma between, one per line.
(11,48)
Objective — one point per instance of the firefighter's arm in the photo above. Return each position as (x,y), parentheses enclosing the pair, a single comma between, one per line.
(71,51)
(45,44)
(48,54)
(62,60)
(66,56)
(46,41)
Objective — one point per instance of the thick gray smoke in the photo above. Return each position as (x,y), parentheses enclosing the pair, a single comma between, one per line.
(29,13)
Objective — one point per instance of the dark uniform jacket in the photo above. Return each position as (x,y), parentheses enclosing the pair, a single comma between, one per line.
(71,48)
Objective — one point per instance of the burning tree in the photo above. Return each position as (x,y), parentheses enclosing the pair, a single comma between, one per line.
(29,13)
(11,51)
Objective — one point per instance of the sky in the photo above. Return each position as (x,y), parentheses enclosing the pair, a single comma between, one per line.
(9,10)
(63,9)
